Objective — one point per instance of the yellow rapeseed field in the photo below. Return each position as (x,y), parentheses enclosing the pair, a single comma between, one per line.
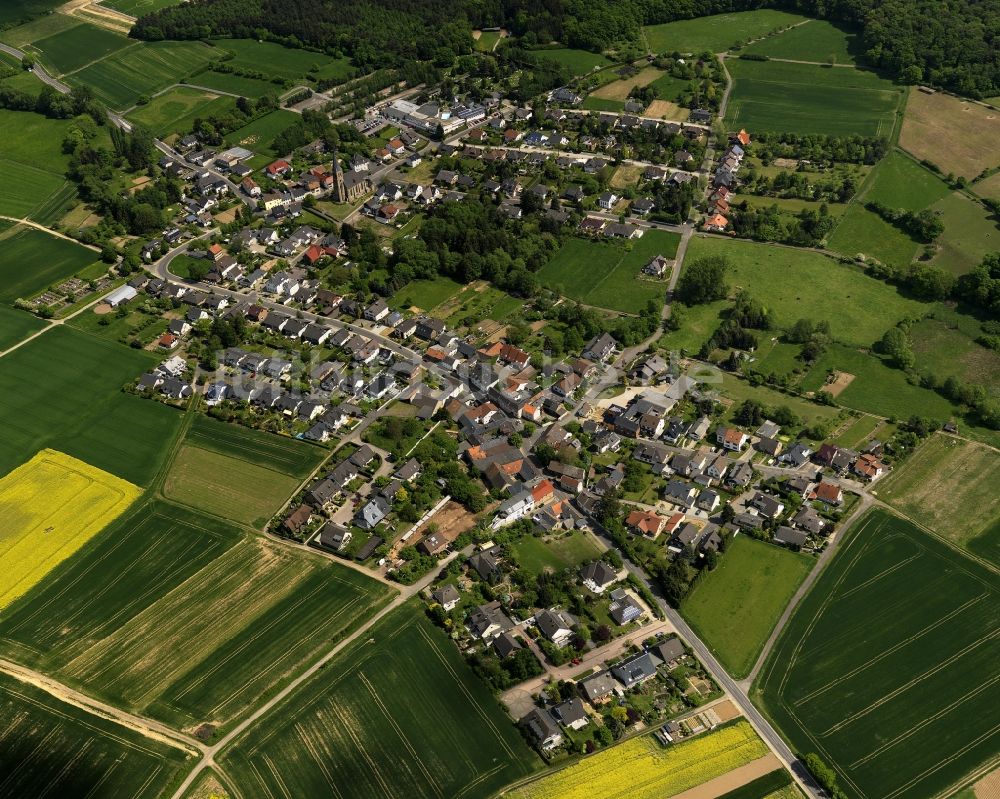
(51,506)
(642,769)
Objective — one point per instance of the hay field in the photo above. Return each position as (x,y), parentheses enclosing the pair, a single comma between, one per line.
(619,89)
(51,506)
(956,135)
(887,669)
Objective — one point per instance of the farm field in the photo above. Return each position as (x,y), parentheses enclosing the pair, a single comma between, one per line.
(650,770)
(734,607)
(949,486)
(176,110)
(73,403)
(137,8)
(972,131)
(592,103)
(397,697)
(78,46)
(580,61)
(887,665)
(52,506)
(228,487)
(260,134)
(38,28)
(122,78)
(425,294)
(816,40)
(606,274)
(286,62)
(862,232)
(62,750)
(566,552)
(969,234)
(16,325)
(803,98)
(619,89)
(788,281)
(234,84)
(268,450)
(900,182)
(877,388)
(31,261)
(716,33)
(180,617)
(13,11)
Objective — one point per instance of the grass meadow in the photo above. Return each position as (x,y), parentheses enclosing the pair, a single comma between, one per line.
(971,130)
(14,11)
(734,607)
(804,98)
(536,555)
(945,345)
(580,61)
(949,485)
(137,8)
(425,294)
(31,261)
(260,134)
(234,84)
(122,78)
(178,616)
(176,110)
(62,750)
(287,62)
(606,274)
(887,669)
(592,103)
(63,391)
(796,283)
(39,28)
(398,697)
(816,40)
(970,233)
(715,33)
(75,47)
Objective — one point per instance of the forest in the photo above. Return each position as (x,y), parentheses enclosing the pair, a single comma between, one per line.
(948,43)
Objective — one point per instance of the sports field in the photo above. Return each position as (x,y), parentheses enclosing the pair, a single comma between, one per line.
(734,607)
(715,33)
(641,768)
(971,130)
(228,487)
(788,281)
(121,78)
(52,506)
(31,260)
(816,40)
(54,749)
(176,110)
(580,61)
(948,485)
(397,715)
(78,46)
(178,616)
(802,98)
(63,390)
(606,274)
(887,669)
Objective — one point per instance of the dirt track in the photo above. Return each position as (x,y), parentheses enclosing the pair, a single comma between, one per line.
(732,779)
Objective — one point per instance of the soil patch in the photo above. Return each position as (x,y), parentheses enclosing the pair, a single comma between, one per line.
(667,110)
(988,787)
(102,308)
(841,380)
(733,779)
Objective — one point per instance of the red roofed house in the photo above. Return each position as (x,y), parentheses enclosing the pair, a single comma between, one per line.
(250,187)
(542,492)
(396,147)
(673,523)
(716,223)
(167,341)
(313,254)
(279,167)
(829,493)
(216,252)
(743,137)
(732,439)
(869,467)
(645,523)
(722,206)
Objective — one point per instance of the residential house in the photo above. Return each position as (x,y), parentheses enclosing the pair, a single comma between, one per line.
(572,714)
(543,729)
(635,670)
(555,625)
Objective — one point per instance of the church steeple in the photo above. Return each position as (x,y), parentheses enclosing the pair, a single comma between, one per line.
(339,189)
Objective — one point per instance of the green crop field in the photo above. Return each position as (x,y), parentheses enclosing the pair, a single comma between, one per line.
(398,714)
(816,40)
(969,234)
(63,390)
(53,748)
(178,616)
(139,7)
(278,453)
(31,260)
(788,281)
(735,607)
(606,273)
(285,62)
(122,78)
(176,110)
(567,552)
(876,388)
(13,11)
(887,669)
(948,485)
(716,33)
(38,28)
(900,182)
(16,325)
(802,98)
(228,487)
(76,47)
(602,104)
(580,61)
(234,84)
(260,134)
(425,294)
